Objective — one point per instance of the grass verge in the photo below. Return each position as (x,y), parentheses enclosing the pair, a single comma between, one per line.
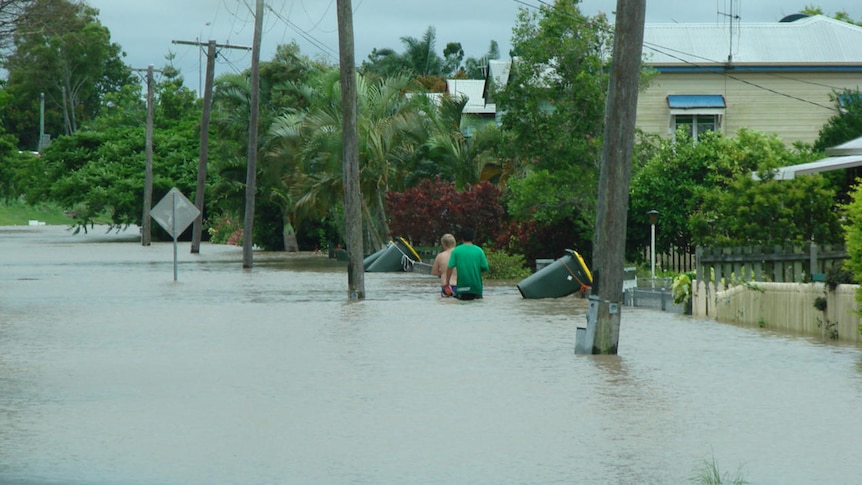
(19,213)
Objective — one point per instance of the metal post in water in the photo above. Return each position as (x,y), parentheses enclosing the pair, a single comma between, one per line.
(174,229)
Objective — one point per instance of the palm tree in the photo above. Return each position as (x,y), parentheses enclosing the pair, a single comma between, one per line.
(390,128)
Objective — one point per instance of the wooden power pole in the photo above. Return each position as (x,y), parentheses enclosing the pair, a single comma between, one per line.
(203,156)
(251,172)
(614,179)
(350,162)
(146,223)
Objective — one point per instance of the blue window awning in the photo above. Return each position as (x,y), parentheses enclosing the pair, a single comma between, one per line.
(691,101)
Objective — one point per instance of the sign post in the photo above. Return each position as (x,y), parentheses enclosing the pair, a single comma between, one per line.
(174,213)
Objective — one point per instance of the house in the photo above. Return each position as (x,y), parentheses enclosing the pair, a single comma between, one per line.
(777,77)
(476,112)
(771,77)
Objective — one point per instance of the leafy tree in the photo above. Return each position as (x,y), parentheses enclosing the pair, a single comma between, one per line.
(97,173)
(853,234)
(846,125)
(453,54)
(391,126)
(705,194)
(477,68)
(61,50)
(283,87)
(839,15)
(553,107)
(10,14)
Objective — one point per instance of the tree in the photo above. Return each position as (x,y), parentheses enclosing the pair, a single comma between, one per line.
(11,12)
(476,68)
(844,126)
(553,107)
(453,54)
(97,173)
(706,195)
(390,125)
(61,50)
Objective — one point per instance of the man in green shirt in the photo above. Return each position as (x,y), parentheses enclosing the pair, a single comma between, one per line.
(470,261)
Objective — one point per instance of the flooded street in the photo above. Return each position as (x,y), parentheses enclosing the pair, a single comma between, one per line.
(112,373)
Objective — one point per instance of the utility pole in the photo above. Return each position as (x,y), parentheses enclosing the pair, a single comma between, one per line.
(350,163)
(40,145)
(203,157)
(146,223)
(614,179)
(251,172)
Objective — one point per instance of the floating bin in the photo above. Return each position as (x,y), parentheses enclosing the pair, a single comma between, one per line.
(396,256)
(560,278)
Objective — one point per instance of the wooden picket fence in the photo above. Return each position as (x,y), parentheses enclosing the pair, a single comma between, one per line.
(779,264)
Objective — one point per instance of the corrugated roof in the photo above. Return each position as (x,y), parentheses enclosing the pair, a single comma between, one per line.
(812,41)
(845,155)
(472,89)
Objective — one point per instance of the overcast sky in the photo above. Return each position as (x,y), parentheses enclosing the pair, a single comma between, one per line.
(146,29)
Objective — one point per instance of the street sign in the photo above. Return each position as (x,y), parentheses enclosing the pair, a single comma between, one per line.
(174,212)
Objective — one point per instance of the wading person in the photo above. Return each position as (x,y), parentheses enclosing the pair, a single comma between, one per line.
(469,261)
(441,263)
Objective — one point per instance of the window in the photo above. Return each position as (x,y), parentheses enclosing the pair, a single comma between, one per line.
(695,125)
(695,113)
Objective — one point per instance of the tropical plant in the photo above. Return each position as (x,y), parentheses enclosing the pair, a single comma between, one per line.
(390,125)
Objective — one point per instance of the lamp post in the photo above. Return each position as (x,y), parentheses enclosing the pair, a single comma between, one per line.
(653,217)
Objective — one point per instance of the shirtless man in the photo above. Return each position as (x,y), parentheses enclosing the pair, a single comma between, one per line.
(441,262)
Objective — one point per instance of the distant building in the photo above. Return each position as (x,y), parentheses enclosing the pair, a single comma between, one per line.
(775,77)
(770,77)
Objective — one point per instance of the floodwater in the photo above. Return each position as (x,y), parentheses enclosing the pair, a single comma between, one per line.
(113,373)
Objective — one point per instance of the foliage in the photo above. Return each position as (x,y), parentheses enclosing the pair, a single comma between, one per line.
(543,241)
(553,105)
(838,275)
(505,266)
(853,233)
(99,174)
(63,51)
(225,230)
(705,194)
(10,15)
(421,62)
(425,212)
(709,474)
(682,287)
(846,125)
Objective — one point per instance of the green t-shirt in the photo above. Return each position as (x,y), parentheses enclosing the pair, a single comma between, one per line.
(470,261)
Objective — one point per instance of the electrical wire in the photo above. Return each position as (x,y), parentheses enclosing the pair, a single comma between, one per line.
(718,71)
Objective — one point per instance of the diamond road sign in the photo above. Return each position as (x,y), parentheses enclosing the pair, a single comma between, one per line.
(174,212)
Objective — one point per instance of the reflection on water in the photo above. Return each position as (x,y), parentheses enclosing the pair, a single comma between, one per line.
(112,373)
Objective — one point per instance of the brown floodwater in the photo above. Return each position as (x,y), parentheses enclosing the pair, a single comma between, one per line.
(113,373)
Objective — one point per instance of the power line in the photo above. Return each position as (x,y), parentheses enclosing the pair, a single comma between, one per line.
(329,52)
(722,72)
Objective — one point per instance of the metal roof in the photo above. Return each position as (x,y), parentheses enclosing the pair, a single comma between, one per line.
(685,101)
(812,41)
(845,155)
(472,89)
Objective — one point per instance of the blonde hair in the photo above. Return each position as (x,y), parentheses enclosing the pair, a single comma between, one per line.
(448,241)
